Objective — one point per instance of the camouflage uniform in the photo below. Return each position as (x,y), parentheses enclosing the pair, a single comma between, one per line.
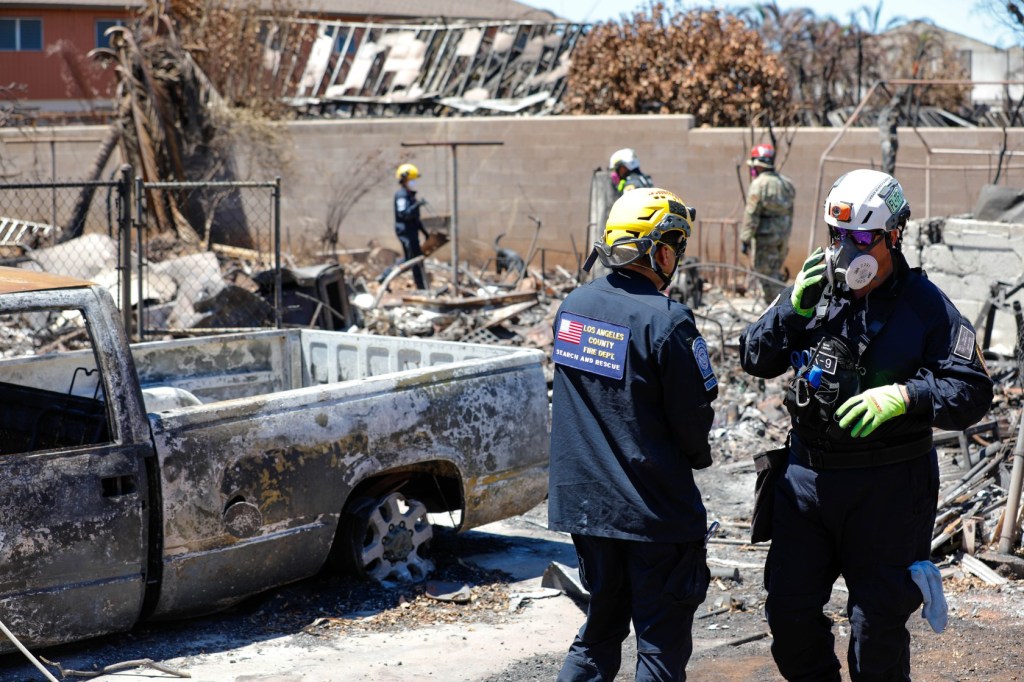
(767,224)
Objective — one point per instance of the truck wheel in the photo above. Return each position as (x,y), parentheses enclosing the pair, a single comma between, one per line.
(386,539)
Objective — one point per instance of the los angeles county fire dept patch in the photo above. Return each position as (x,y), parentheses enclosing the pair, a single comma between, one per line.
(591,345)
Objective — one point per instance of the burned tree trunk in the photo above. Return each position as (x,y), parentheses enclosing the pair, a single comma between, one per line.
(76,225)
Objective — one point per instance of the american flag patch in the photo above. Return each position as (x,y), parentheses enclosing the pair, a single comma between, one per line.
(570,331)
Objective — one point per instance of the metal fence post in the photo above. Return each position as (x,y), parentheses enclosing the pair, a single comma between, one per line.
(278,298)
(124,238)
(140,224)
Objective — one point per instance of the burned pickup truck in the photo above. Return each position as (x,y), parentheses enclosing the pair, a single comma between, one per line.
(175,478)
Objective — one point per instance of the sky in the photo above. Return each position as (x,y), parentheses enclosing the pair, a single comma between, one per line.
(956,15)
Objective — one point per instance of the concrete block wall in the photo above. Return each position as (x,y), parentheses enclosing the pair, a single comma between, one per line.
(47,154)
(968,257)
(544,167)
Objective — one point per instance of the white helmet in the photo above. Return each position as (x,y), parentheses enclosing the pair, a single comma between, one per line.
(866,199)
(625,157)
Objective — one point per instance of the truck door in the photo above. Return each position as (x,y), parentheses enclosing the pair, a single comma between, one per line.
(73,492)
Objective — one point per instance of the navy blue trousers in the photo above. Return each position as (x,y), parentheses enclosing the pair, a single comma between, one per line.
(411,248)
(869,525)
(657,585)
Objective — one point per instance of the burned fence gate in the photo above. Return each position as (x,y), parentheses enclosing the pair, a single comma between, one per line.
(212,242)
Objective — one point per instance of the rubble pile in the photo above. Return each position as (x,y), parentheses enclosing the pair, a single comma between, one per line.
(511,308)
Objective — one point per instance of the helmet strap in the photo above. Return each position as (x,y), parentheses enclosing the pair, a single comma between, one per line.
(666,279)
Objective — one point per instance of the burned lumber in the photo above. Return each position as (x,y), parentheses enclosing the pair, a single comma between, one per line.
(1004,562)
(979,568)
(988,461)
(471,302)
(1009,532)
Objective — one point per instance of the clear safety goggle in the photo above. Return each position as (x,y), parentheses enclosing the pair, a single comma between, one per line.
(628,251)
(624,252)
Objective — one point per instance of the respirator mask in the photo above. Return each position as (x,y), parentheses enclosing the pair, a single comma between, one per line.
(848,265)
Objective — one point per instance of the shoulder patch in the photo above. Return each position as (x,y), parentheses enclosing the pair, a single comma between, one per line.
(964,343)
(590,345)
(700,354)
(981,359)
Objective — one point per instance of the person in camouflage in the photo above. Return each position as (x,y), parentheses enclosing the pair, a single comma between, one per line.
(768,219)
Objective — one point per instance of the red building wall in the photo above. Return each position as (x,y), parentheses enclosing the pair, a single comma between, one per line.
(45,73)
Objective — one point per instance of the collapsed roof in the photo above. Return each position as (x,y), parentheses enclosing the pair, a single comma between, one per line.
(353,69)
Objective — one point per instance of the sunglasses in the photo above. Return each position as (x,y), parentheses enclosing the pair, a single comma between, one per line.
(858,237)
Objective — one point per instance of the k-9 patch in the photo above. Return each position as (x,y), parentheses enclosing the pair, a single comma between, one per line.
(590,345)
(828,362)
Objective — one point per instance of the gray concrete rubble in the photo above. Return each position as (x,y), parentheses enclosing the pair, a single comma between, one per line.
(976,263)
(84,257)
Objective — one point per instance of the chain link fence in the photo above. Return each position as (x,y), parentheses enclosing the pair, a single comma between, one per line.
(70,228)
(189,257)
(73,228)
(188,279)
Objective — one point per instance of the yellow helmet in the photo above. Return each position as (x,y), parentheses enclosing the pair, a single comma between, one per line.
(407,171)
(641,219)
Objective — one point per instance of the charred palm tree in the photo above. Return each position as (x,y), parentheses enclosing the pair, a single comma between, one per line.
(175,125)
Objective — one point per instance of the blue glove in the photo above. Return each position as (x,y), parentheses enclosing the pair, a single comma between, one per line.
(871,408)
(928,579)
(810,284)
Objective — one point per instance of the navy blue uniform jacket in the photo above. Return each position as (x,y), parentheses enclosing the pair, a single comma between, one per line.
(407,213)
(925,343)
(623,450)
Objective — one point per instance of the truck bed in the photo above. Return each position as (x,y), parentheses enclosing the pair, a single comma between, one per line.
(287,424)
(246,365)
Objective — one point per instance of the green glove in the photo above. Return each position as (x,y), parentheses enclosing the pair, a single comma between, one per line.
(871,408)
(810,284)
